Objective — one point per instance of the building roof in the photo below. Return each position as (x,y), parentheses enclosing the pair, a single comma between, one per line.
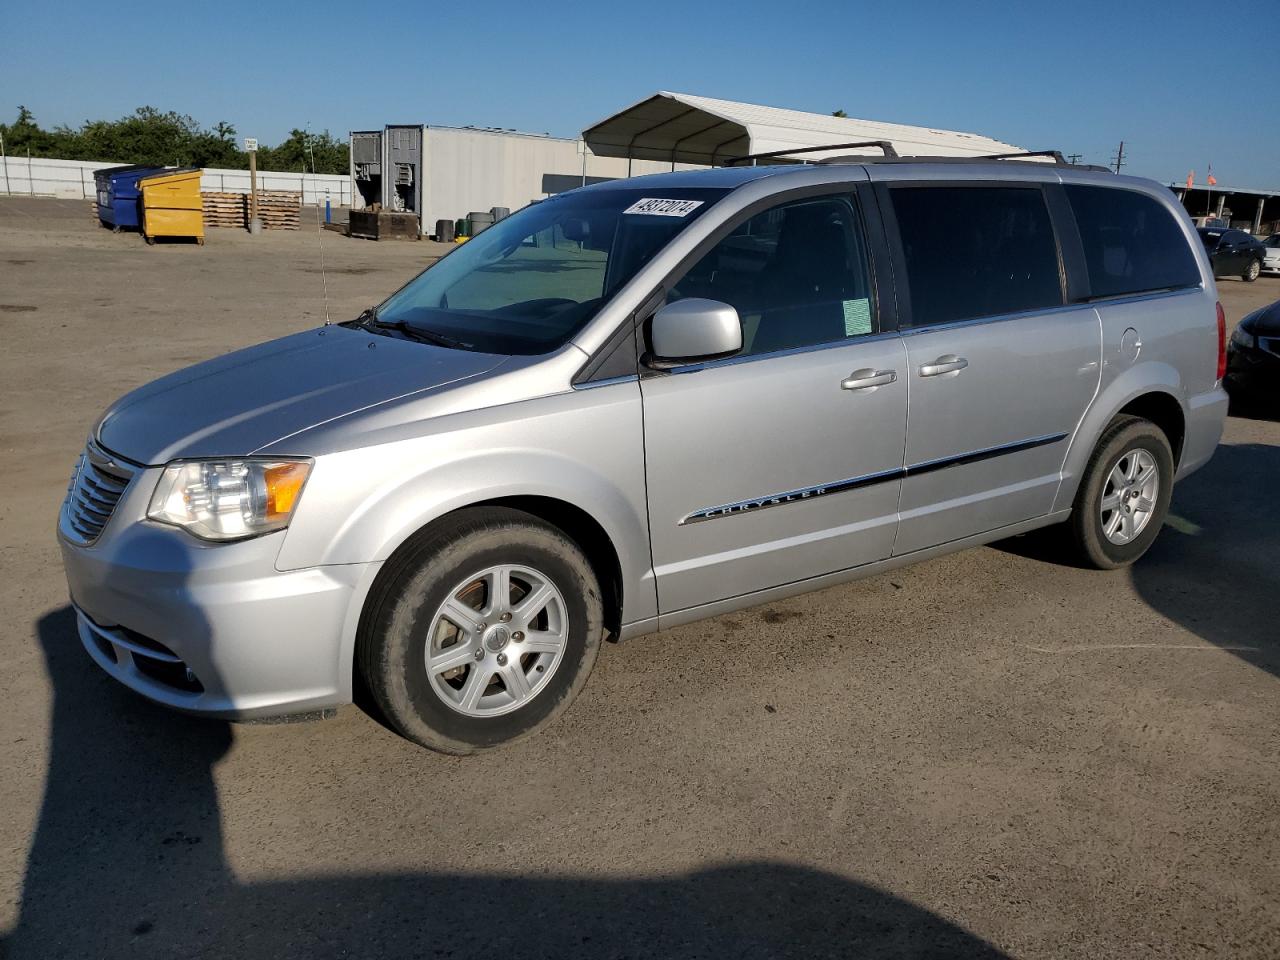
(684,128)
(1201,188)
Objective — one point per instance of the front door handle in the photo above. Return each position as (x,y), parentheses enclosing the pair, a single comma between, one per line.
(868,378)
(947,363)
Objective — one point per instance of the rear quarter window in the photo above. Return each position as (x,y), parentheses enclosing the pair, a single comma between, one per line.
(1132,243)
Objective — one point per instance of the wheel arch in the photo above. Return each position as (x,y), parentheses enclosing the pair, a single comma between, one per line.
(1152,391)
(1164,410)
(570,519)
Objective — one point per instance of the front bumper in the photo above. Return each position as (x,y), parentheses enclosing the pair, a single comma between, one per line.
(211,629)
(1254,369)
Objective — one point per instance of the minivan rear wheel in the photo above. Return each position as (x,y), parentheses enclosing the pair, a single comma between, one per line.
(1124,494)
(484,632)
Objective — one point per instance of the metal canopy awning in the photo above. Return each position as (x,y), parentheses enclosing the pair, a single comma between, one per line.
(682,128)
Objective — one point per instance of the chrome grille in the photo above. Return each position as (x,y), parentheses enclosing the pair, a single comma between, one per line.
(96,487)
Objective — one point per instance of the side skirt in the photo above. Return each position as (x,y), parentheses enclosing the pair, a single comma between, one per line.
(705,611)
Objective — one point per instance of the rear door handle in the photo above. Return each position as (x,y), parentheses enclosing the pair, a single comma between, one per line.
(867,378)
(947,363)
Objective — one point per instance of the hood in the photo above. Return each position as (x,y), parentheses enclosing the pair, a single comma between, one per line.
(1264,322)
(239,403)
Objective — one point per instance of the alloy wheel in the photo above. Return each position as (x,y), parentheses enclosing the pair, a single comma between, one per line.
(496,640)
(1129,496)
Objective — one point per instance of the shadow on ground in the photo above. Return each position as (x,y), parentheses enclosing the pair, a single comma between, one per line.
(127,861)
(1213,570)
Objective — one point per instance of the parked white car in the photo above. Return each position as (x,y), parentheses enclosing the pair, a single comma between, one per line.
(1271,255)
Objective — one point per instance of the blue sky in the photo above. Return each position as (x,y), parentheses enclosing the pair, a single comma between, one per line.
(1180,82)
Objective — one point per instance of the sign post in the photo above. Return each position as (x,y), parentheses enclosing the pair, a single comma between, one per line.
(251,147)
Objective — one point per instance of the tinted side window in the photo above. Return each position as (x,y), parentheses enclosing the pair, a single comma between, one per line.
(976,251)
(797,275)
(1132,244)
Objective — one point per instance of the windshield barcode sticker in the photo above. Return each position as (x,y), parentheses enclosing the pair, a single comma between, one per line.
(664,208)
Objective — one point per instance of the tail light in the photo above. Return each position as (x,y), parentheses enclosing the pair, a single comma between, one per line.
(1222,342)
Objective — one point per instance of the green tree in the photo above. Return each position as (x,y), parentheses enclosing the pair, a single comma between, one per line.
(24,135)
(168,138)
(296,151)
(838,113)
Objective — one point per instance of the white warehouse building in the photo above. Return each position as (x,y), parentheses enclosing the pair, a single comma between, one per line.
(445,173)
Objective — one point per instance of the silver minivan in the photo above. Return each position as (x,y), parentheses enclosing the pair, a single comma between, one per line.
(637,405)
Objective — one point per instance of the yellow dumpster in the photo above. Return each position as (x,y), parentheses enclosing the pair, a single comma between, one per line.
(171,205)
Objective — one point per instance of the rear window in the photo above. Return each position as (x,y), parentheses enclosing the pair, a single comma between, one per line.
(1132,244)
(976,252)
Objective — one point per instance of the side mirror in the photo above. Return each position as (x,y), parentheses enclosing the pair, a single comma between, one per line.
(692,330)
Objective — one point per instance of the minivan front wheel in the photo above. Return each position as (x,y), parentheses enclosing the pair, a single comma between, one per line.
(484,632)
(1124,494)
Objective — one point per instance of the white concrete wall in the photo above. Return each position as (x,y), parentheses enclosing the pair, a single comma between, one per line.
(475,170)
(74,178)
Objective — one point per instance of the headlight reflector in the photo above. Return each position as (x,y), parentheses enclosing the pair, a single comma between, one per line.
(229,499)
(1243,338)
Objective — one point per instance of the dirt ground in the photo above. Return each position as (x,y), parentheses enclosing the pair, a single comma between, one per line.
(986,755)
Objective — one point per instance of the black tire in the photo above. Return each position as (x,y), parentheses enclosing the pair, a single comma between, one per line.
(1251,272)
(391,648)
(1123,434)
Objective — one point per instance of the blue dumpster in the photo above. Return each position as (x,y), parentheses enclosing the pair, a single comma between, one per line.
(119,200)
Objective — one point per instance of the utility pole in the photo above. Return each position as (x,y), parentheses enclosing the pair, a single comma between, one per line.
(251,147)
(1073,158)
(1118,159)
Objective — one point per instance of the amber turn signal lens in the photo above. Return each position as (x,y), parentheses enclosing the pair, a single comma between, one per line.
(284,483)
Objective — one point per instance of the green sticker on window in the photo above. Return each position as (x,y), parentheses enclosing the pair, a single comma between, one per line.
(857,317)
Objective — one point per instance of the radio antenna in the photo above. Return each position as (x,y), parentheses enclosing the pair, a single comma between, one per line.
(324,279)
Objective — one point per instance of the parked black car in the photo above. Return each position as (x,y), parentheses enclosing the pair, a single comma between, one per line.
(1233,253)
(1253,354)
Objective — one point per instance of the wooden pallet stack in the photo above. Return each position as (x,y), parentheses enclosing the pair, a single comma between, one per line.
(277,209)
(225,209)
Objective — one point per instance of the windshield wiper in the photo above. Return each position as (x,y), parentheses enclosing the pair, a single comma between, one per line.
(420,334)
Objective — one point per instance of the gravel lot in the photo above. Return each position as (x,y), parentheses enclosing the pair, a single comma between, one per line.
(988,754)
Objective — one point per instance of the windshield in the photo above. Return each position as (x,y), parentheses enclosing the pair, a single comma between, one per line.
(1273,240)
(531,281)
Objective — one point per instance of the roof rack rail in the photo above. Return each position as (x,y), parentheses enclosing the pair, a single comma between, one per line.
(884,145)
(1055,155)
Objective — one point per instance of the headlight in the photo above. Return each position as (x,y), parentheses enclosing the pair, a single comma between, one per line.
(229,499)
(1243,338)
